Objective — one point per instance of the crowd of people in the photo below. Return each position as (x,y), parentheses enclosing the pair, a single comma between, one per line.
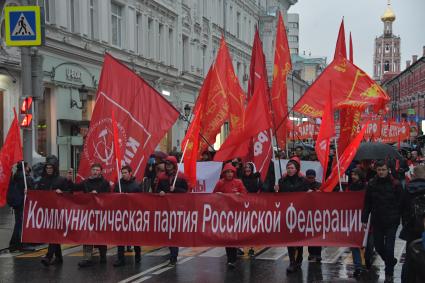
(394,194)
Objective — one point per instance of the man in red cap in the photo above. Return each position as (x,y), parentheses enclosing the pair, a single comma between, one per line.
(165,185)
(229,184)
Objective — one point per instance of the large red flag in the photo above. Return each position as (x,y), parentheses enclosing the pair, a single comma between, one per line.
(143,117)
(282,66)
(256,120)
(10,154)
(326,133)
(221,98)
(344,162)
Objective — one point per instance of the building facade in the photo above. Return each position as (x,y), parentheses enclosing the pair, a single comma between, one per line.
(407,92)
(170,43)
(387,56)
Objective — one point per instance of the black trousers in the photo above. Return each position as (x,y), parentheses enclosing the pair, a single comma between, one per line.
(54,249)
(232,254)
(121,249)
(295,255)
(384,240)
(315,251)
(15,241)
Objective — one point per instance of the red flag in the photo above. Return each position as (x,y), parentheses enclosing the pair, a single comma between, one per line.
(326,133)
(10,154)
(282,66)
(344,162)
(341,49)
(351,50)
(143,114)
(350,118)
(256,120)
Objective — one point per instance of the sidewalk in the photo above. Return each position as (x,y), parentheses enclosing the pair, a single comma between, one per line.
(6,226)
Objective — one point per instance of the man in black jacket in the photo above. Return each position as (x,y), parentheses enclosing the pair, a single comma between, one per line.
(128,185)
(94,184)
(412,219)
(383,203)
(52,181)
(165,185)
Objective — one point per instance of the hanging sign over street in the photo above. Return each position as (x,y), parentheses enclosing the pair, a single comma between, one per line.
(23,25)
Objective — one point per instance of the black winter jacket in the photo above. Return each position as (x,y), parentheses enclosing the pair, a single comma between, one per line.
(313,186)
(410,230)
(252,183)
(53,182)
(356,187)
(100,185)
(292,184)
(130,186)
(16,193)
(383,202)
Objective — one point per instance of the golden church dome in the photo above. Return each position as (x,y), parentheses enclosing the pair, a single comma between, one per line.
(389,15)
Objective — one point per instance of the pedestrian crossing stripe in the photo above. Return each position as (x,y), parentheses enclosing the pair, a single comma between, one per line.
(22,26)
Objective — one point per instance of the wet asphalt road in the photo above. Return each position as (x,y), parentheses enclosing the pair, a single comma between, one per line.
(194,265)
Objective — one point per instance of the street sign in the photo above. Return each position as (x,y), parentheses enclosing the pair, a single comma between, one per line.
(23,25)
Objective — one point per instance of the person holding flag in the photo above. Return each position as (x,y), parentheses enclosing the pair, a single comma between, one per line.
(94,184)
(172,181)
(18,185)
(128,185)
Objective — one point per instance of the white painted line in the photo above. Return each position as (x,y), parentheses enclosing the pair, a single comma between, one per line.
(144,272)
(72,250)
(272,254)
(160,252)
(185,260)
(163,270)
(215,252)
(143,279)
(338,254)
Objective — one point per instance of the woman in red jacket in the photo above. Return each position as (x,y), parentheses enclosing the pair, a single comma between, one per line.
(230,185)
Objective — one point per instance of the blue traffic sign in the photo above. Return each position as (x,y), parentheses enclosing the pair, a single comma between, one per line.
(23,25)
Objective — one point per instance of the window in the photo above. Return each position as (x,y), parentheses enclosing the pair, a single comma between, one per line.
(171,45)
(150,38)
(139,33)
(116,19)
(293,38)
(294,50)
(185,57)
(160,47)
(293,25)
(204,58)
(73,15)
(93,19)
(387,66)
(387,48)
(238,25)
(46,10)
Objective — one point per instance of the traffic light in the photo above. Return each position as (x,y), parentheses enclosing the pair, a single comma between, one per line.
(25,111)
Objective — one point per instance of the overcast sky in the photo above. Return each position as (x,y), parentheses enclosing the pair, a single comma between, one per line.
(320,20)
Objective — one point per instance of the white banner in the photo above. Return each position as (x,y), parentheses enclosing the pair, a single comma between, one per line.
(207,175)
(305,165)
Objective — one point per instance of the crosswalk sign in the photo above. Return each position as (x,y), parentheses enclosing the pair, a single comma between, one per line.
(23,25)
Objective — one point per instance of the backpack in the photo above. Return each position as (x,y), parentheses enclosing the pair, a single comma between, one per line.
(417,210)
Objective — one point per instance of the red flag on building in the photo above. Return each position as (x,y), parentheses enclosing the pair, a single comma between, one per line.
(324,138)
(10,154)
(282,66)
(143,115)
(344,162)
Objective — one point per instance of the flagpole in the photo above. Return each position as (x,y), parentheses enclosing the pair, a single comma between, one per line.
(276,181)
(180,163)
(118,174)
(25,195)
(337,164)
